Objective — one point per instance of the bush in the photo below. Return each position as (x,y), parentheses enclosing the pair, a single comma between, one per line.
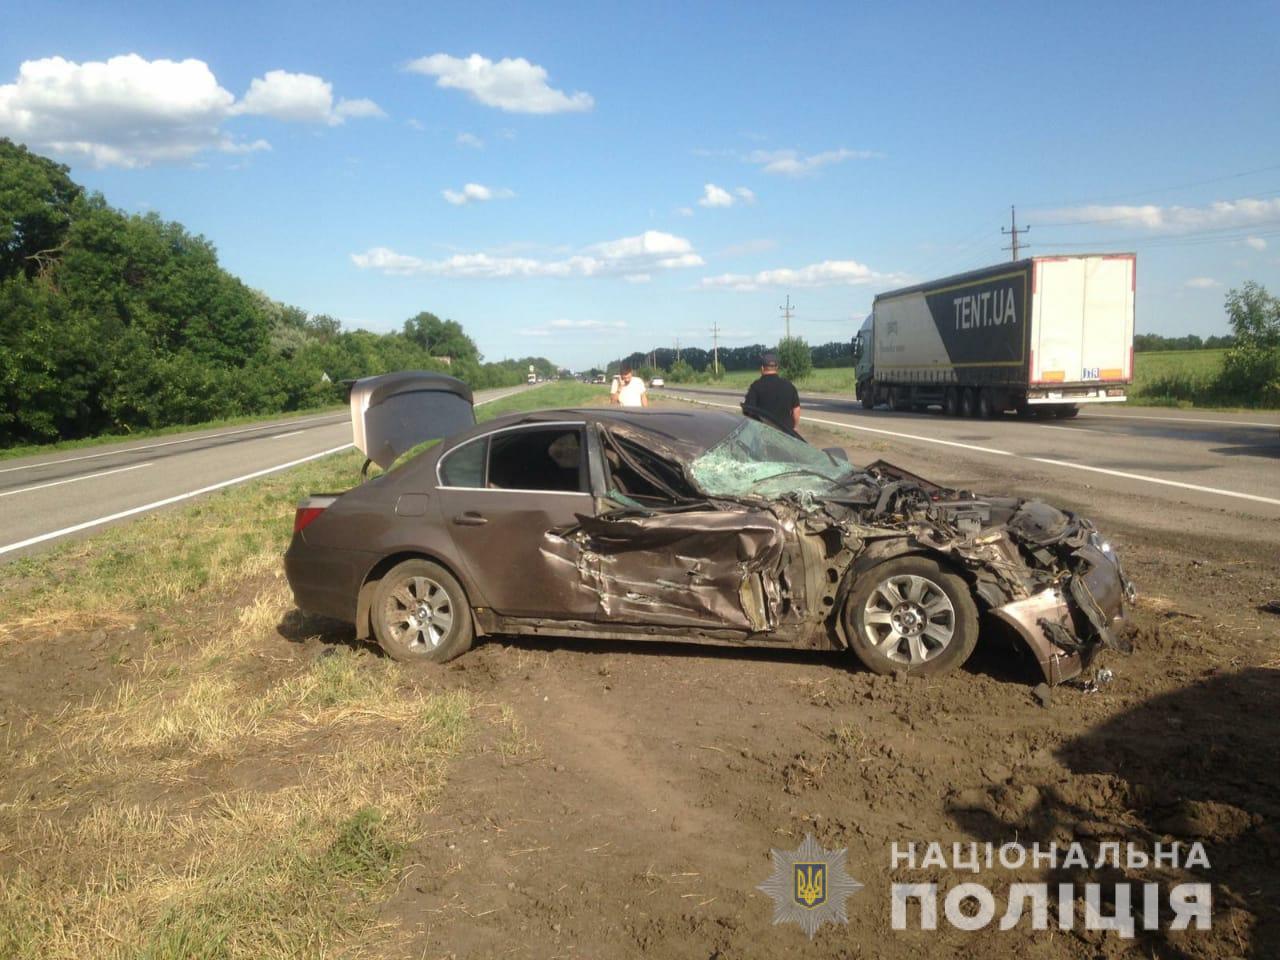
(795,360)
(1251,369)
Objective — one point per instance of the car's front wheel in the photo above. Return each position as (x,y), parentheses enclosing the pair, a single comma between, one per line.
(911,615)
(420,612)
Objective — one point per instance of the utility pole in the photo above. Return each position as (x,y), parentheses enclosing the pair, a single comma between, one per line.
(1013,232)
(786,315)
(715,349)
(677,349)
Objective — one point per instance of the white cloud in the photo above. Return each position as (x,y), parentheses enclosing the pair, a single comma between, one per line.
(685,211)
(465,139)
(1257,243)
(794,164)
(511,84)
(825,274)
(128,111)
(628,257)
(713,196)
(361,108)
(1223,215)
(1202,283)
(415,124)
(476,193)
(301,98)
(125,112)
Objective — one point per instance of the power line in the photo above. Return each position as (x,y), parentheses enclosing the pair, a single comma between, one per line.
(1169,189)
(786,315)
(1013,232)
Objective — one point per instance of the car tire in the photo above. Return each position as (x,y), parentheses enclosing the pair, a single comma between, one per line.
(968,405)
(951,403)
(986,406)
(910,615)
(896,404)
(438,629)
(867,394)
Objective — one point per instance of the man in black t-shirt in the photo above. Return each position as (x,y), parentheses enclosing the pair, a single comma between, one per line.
(773,398)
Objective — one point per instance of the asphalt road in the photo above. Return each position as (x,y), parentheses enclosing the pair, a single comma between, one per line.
(47,498)
(1208,461)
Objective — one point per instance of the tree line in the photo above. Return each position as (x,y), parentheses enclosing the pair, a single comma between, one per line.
(113,322)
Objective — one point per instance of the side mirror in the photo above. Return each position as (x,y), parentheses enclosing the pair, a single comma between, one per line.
(836,454)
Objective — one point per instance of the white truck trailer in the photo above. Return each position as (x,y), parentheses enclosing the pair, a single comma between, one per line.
(1041,335)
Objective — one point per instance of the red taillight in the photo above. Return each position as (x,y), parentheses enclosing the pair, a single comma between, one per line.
(304,516)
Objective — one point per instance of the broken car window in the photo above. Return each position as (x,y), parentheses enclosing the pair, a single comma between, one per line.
(759,460)
(538,458)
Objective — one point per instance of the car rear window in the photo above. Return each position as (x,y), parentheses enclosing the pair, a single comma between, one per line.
(464,467)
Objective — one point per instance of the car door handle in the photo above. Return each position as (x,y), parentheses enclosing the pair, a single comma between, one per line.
(470,519)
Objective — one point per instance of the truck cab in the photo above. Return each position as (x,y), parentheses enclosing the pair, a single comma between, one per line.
(863,352)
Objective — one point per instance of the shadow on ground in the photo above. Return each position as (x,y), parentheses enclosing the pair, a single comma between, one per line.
(1195,765)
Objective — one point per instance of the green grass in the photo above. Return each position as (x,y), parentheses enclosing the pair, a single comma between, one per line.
(820,380)
(1170,377)
(29,450)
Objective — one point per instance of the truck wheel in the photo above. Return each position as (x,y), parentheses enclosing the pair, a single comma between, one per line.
(911,615)
(895,400)
(420,612)
(968,406)
(951,403)
(867,394)
(986,407)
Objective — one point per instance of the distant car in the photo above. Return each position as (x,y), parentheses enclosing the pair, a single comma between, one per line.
(598,378)
(657,382)
(671,524)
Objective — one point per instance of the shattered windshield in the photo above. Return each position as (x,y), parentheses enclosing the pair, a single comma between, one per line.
(758,460)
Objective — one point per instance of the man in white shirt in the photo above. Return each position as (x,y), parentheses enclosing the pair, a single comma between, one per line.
(629,390)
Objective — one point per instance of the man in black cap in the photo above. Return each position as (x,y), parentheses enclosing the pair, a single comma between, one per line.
(773,398)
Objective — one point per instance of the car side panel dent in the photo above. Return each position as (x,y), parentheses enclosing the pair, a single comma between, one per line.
(695,568)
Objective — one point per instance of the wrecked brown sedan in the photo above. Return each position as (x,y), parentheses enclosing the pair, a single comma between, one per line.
(691,525)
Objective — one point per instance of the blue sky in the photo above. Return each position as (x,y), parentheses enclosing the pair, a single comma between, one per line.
(641,172)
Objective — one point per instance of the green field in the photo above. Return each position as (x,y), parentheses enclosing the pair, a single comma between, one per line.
(1188,372)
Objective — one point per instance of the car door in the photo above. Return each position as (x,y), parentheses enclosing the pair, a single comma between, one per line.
(664,556)
(502,496)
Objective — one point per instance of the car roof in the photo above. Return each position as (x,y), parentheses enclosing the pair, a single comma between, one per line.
(689,433)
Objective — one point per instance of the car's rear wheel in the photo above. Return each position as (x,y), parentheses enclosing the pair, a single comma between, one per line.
(420,612)
(911,615)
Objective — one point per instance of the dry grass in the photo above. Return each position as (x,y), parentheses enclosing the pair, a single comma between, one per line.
(216,801)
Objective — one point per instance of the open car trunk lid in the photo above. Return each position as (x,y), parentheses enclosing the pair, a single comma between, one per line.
(394,412)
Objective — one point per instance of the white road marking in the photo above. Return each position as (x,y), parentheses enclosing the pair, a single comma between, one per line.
(87,476)
(207,436)
(1263,424)
(157,504)
(281,436)
(152,446)
(1008,453)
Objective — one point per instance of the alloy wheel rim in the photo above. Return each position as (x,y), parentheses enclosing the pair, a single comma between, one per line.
(420,613)
(909,619)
